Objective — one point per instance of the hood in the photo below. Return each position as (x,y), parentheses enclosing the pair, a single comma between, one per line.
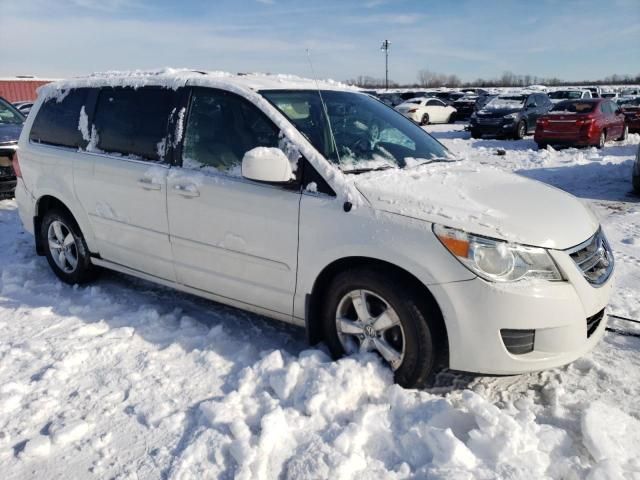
(497,112)
(9,132)
(482,200)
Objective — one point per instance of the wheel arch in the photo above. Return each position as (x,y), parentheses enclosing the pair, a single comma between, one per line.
(323,280)
(44,204)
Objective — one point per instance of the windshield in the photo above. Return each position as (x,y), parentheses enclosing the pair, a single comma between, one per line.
(565,94)
(514,101)
(634,102)
(368,134)
(9,115)
(574,107)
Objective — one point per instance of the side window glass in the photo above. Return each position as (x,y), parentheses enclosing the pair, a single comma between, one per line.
(133,122)
(57,120)
(221,128)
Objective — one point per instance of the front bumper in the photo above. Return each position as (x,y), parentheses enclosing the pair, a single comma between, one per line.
(476,312)
(498,129)
(578,139)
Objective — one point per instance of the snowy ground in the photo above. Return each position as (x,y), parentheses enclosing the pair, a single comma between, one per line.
(124,379)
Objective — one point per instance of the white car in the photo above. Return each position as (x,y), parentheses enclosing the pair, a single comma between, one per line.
(369,234)
(561,95)
(426,110)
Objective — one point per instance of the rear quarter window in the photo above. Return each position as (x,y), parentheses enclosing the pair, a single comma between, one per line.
(133,122)
(56,122)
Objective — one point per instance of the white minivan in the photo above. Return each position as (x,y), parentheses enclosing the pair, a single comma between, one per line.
(316,205)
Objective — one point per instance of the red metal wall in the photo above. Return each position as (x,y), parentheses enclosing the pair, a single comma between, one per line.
(16,90)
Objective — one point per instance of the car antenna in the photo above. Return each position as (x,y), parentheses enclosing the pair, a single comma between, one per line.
(324,105)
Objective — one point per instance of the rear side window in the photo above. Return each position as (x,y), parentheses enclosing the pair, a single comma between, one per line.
(57,120)
(133,121)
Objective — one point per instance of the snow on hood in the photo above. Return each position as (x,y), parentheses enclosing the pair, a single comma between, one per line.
(482,200)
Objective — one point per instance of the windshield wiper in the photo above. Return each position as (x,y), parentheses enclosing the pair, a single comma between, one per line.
(435,160)
(364,170)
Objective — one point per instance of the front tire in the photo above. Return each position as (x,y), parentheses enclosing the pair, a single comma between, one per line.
(65,248)
(521,130)
(602,139)
(366,310)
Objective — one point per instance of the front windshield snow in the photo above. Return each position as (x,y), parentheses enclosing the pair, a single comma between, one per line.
(502,102)
(368,134)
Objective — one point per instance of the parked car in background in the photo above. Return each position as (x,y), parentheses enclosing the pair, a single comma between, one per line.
(465,106)
(581,123)
(450,96)
(252,206)
(390,99)
(631,109)
(560,95)
(595,91)
(11,121)
(636,173)
(427,110)
(511,115)
(610,96)
(23,107)
(630,92)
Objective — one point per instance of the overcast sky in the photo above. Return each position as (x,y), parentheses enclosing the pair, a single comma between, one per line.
(568,39)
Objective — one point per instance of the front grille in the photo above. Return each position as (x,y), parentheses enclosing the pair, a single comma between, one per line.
(593,322)
(594,258)
(518,341)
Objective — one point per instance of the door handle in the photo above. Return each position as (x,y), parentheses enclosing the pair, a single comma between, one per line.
(187,190)
(148,184)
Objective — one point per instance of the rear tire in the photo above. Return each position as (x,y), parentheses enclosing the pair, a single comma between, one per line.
(542,146)
(636,184)
(625,134)
(65,248)
(414,347)
(424,120)
(475,134)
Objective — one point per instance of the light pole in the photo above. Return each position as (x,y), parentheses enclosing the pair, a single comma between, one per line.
(385,47)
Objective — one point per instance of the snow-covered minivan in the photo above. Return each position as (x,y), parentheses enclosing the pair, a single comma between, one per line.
(314,204)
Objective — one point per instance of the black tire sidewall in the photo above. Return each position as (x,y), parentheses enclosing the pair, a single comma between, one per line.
(425,119)
(84,270)
(521,127)
(421,350)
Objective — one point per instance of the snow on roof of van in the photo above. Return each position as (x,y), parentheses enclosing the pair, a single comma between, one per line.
(175,78)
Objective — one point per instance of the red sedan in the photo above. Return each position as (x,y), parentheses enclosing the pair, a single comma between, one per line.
(581,123)
(631,110)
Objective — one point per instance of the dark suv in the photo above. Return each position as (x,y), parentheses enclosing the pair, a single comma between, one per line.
(512,115)
(11,121)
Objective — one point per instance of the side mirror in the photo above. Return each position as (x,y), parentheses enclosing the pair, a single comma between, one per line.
(618,111)
(532,105)
(264,164)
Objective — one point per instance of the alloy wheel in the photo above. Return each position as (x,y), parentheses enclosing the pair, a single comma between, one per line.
(366,322)
(62,246)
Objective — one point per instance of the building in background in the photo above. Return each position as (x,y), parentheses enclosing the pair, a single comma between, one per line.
(18,89)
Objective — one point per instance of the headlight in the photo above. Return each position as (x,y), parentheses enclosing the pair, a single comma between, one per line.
(511,116)
(497,260)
